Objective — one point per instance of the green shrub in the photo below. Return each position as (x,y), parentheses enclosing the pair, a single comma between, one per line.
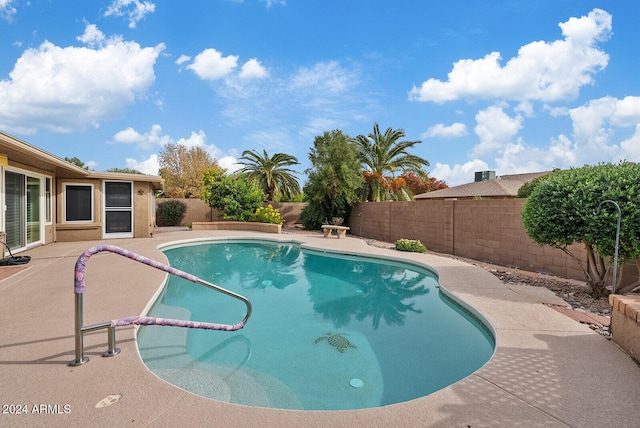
(412,245)
(236,196)
(267,214)
(170,213)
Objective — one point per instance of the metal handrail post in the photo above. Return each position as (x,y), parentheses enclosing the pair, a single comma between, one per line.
(111,343)
(80,358)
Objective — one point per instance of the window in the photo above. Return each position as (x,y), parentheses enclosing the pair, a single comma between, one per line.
(78,204)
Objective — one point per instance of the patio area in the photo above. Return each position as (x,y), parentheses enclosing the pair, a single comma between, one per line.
(548,370)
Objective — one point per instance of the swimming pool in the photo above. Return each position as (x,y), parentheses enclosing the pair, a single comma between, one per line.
(328,331)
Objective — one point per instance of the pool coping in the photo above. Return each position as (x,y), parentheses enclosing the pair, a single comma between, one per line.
(547,369)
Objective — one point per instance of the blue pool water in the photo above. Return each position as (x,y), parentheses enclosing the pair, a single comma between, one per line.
(400,337)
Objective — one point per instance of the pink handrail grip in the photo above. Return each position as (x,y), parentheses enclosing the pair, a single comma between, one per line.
(174,323)
(79,284)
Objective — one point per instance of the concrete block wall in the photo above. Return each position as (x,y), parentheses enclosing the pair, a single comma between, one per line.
(488,230)
(199,211)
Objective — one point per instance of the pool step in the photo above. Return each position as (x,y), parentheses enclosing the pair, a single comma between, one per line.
(232,386)
(169,360)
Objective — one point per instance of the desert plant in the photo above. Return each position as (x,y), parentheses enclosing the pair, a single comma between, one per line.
(411,245)
(170,213)
(267,214)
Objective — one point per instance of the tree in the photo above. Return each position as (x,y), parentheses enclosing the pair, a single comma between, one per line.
(560,212)
(236,196)
(381,156)
(525,190)
(77,162)
(271,173)
(182,169)
(333,179)
(124,170)
(417,184)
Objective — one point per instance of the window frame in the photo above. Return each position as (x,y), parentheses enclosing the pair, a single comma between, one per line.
(106,209)
(92,202)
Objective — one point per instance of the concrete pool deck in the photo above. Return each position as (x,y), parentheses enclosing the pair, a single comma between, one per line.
(548,370)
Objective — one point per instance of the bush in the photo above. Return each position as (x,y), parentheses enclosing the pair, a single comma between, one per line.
(170,213)
(236,196)
(267,214)
(312,216)
(411,245)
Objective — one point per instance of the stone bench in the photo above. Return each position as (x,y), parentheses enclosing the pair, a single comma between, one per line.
(340,230)
(625,323)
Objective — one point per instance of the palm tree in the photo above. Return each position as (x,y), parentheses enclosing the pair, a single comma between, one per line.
(382,155)
(271,173)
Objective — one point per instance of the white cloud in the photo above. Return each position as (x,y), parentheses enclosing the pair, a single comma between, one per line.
(494,128)
(92,36)
(146,141)
(196,139)
(526,108)
(183,59)
(7,11)
(458,174)
(65,89)
(252,69)
(92,165)
(595,124)
(272,2)
(151,165)
(229,163)
(627,112)
(154,139)
(631,147)
(541,71)
(443,131)
(323,96)
(326,77)
(134,10)
(211,65)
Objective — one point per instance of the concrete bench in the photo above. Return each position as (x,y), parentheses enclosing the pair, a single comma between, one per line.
(340,230)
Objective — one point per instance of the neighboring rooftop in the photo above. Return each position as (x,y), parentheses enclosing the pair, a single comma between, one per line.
(485,186)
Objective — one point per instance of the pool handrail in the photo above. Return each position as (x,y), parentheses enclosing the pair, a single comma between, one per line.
(79,289)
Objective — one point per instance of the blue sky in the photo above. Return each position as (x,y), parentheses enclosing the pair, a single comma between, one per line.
(511,86)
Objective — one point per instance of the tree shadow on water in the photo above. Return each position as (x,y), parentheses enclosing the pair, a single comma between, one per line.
(349,289)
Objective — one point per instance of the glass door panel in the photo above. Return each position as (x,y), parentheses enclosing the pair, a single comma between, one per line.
(33,210)
(118,209)
(15,212)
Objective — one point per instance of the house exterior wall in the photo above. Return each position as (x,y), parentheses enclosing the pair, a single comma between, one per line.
(85,231)
(143,221)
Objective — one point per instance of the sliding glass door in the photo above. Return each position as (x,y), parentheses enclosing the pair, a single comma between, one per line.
(15,217)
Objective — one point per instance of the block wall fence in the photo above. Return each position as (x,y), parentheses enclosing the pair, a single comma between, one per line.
(199,211)
(489,230)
